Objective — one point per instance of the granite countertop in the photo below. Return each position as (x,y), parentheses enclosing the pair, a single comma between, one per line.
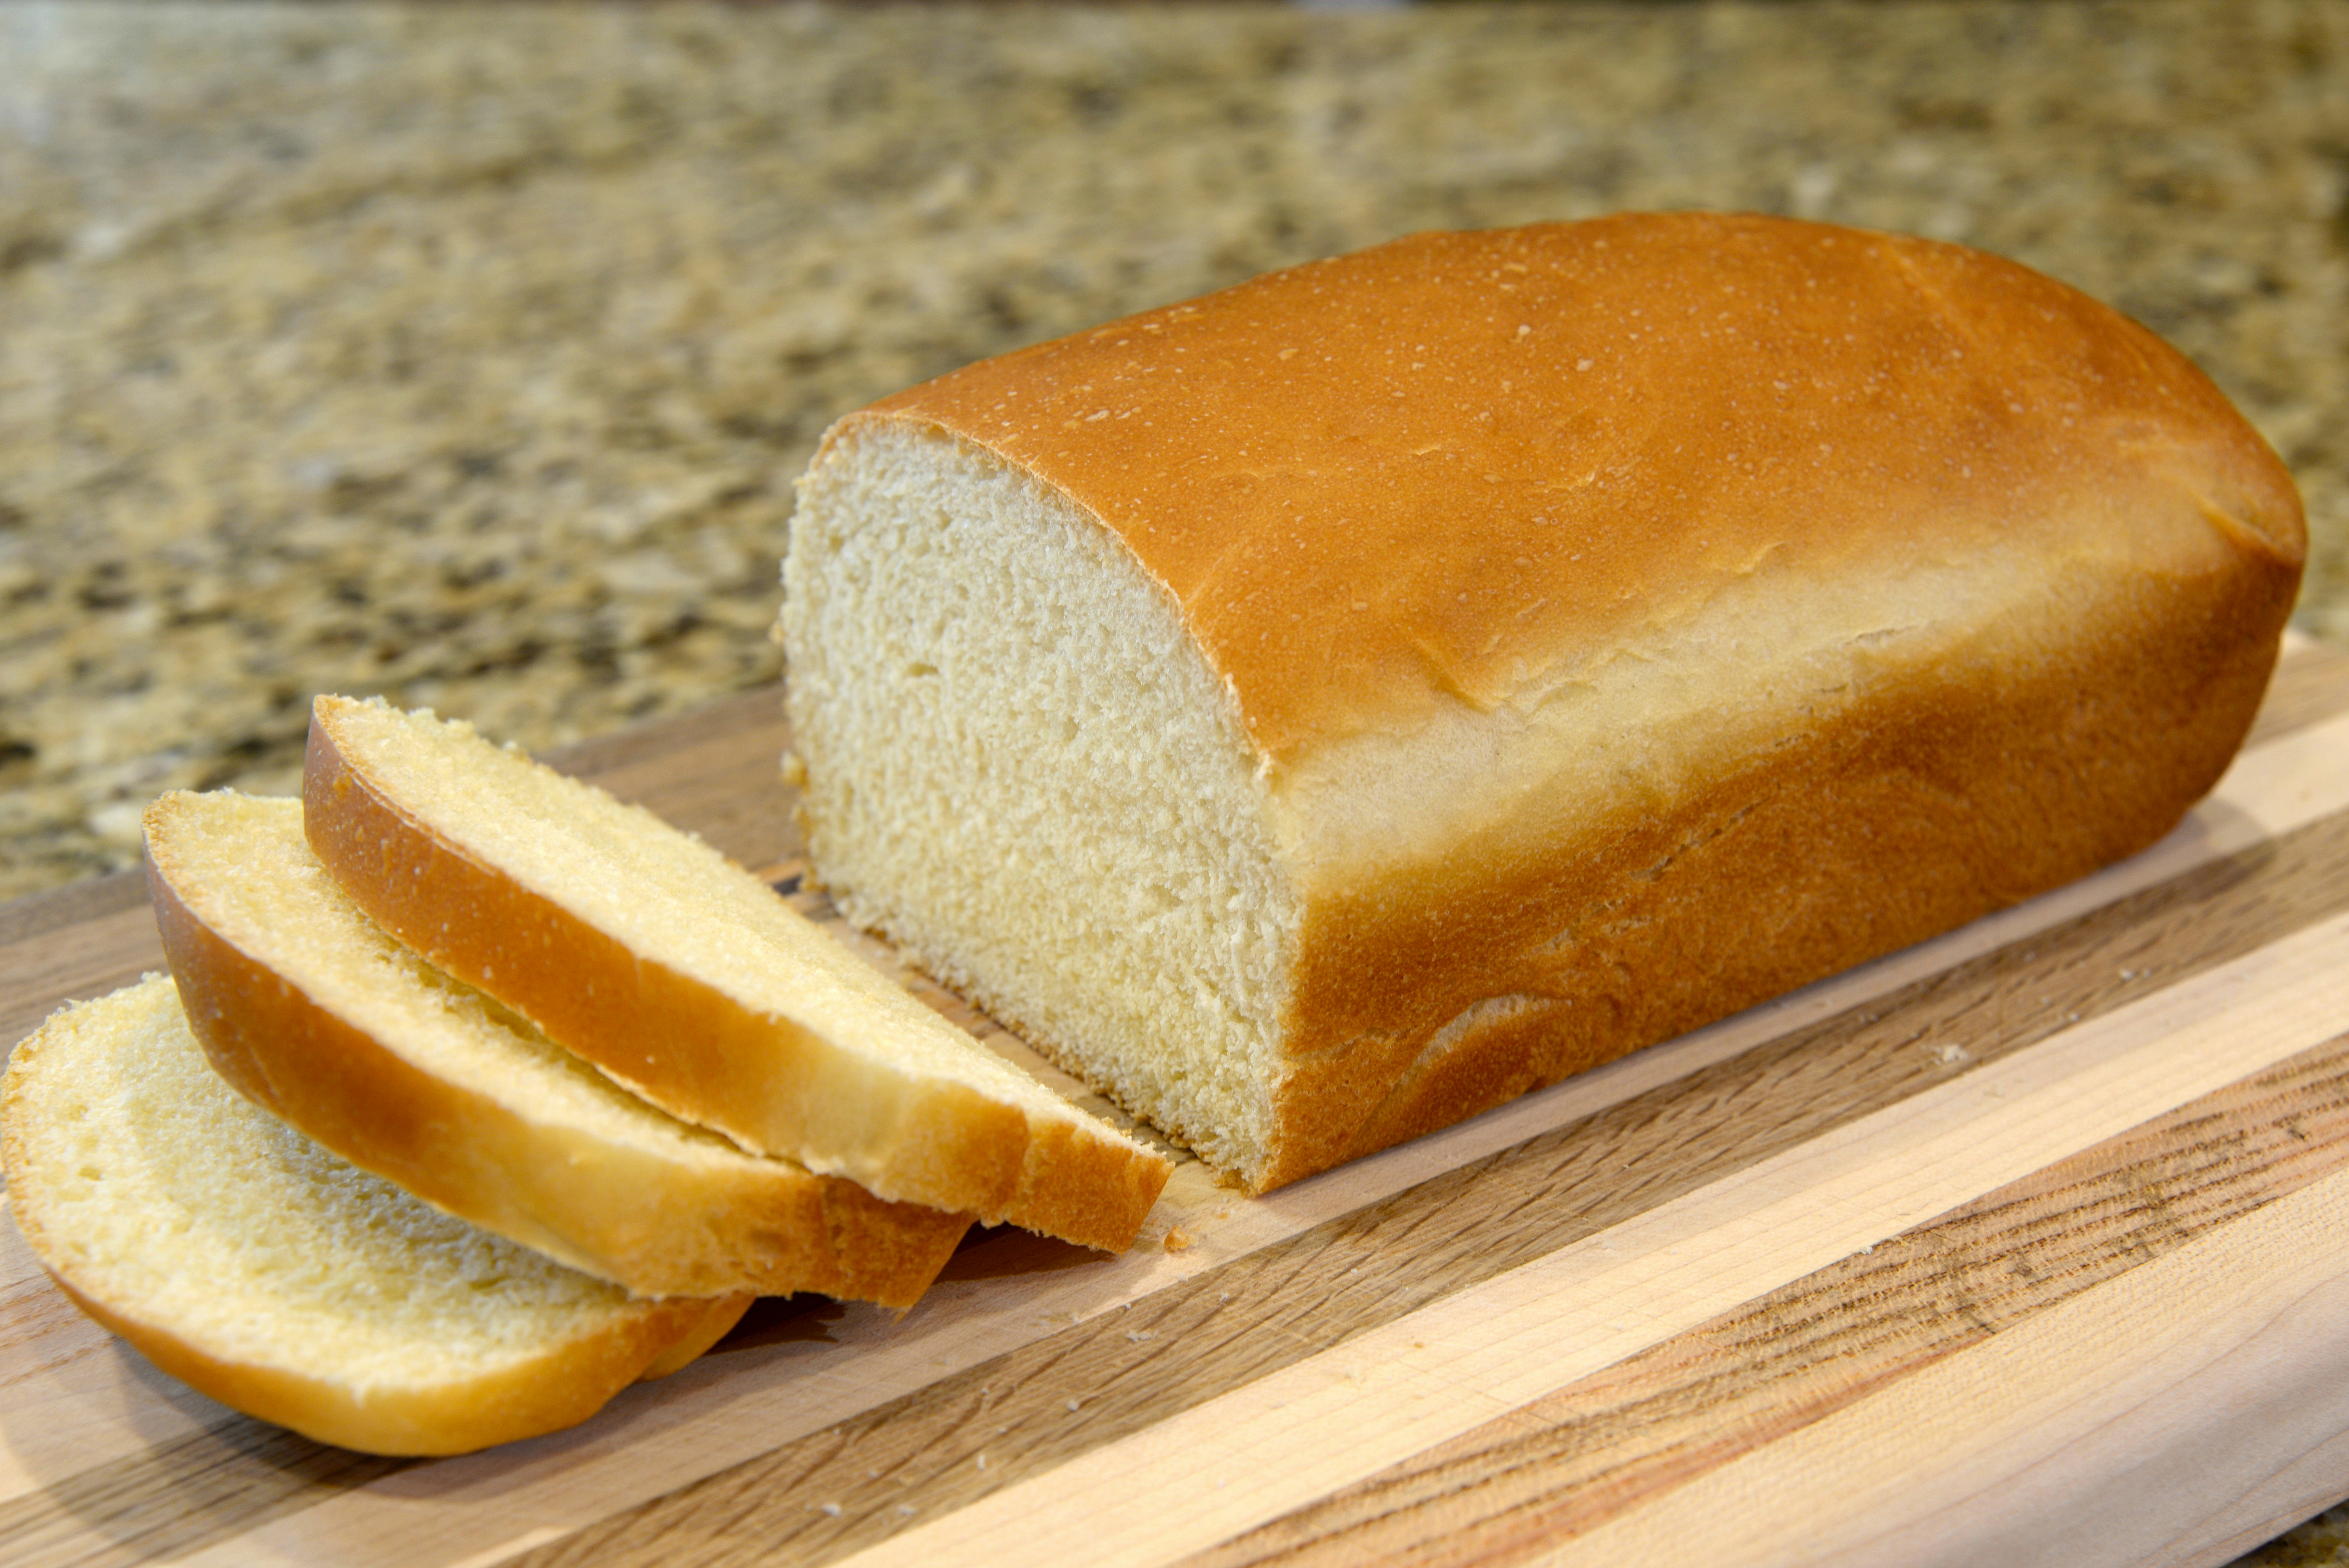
(466,354)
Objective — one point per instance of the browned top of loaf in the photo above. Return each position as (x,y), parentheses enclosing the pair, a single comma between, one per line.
(1430,471)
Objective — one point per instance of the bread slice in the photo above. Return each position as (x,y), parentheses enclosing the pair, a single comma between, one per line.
(256,1268)
(1317,712)
(688,980)
(312,1011)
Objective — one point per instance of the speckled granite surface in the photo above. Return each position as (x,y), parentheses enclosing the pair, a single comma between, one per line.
(466,353)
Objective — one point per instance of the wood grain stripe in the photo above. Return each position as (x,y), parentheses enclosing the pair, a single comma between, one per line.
(179,1495)
(1560,1465)
(2099,1430)
(1235,1462)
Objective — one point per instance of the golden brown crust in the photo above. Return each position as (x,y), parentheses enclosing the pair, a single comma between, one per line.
(559,1388)
(1443,484)
(558,1385)
(591,993)
(1075,1187)
(1950,792)
(1439,468)
(659,1227)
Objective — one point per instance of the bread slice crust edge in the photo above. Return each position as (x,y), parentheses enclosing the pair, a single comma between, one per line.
(503,1396)
(656,1226)
(686,1046)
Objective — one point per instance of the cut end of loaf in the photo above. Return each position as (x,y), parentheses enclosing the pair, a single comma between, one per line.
(1029,703)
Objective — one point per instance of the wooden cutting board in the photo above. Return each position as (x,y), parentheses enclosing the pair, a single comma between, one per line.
(2030,1243)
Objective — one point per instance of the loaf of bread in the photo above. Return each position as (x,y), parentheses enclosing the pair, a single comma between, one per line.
(689,981)
(313,1012)
(1323,711)
(258,1268)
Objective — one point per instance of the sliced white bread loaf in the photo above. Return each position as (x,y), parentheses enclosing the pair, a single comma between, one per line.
(313,1011)
(1319,711)
(258,1268)
(691,982)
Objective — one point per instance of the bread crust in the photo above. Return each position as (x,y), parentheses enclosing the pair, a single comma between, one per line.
(1951,791)
(559,1388)
(658,1226)
(683,1043)
(552,1386)
(1416,505)
(1446,470)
